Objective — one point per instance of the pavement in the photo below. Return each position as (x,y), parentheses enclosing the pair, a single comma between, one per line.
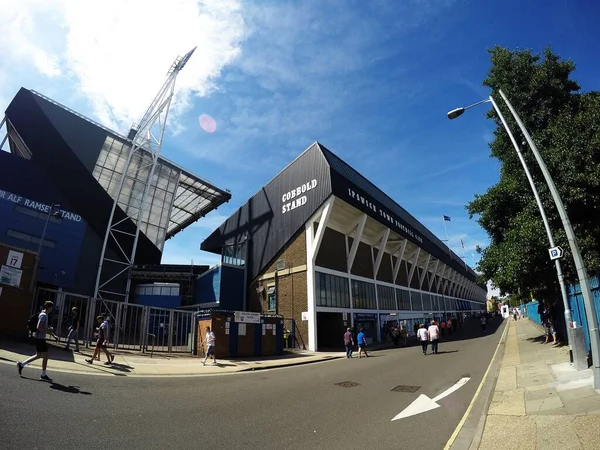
(536,400)
(336,404)
(136,364)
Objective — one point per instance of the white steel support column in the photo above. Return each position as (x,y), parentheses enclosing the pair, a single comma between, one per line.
(146,145)
(415,255)
(400,254)
(313,243)
(360,227)
(380,251)
(425,269)
(441,279)
(434,273)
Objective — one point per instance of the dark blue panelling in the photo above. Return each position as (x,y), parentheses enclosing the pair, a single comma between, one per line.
(160,301)
(578,313)
(232,288)
(279,329)
(233,339)
(208,287)
(258,338)
(21,183)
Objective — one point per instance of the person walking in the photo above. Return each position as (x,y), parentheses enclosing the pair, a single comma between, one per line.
(210,346)
(434,335)
(101,342)
(362,343)
(41,346)
(483,322)
(423,338)
(348,342)
(73,330)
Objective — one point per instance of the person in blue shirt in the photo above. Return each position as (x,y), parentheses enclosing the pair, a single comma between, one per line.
(362,343)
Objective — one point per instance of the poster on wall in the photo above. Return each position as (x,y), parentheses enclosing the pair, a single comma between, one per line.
(10,276)
(15,259)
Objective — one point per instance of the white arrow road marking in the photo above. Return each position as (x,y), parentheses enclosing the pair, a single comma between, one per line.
(423,403)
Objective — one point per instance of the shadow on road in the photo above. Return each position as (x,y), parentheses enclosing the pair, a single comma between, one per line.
(59,387)
(447,351)
(68,389)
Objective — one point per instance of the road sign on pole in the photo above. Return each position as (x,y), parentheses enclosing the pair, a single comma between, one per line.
(555,253)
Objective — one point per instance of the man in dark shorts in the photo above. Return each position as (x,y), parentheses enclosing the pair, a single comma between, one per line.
(41,346)
(210,347)
(102,339)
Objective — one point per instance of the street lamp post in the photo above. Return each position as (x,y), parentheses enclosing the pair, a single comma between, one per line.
(53,211)
(586,292)
(561,281)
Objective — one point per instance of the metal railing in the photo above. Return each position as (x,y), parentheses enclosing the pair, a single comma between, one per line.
(131,326)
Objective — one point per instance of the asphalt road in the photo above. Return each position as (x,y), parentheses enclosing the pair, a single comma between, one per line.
(291,408)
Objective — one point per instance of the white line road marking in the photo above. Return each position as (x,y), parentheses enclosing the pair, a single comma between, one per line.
(423,403)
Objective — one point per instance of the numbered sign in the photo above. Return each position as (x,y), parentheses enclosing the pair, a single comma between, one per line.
(15,259)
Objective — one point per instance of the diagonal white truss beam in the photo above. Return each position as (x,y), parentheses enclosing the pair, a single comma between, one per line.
(382,243)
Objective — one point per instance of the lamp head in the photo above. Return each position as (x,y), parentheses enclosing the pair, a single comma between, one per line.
(455,113)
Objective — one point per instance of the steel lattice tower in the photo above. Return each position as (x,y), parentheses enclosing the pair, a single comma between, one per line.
(146,145)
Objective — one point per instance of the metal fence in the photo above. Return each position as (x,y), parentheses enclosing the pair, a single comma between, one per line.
(132,327)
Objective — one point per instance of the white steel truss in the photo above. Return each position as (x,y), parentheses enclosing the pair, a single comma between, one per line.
(113,278)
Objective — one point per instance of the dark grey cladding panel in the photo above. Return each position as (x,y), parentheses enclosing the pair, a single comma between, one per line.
(276,212)
(355,189)
(42,130)
(81,135)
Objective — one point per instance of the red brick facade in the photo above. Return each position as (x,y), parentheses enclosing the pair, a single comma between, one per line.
(291,284)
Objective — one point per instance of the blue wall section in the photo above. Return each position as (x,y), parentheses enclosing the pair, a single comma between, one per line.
(232,288)
(532,312)
(221,284)
(25,194)
(207,288)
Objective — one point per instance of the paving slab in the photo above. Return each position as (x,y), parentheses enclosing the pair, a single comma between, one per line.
(540,401)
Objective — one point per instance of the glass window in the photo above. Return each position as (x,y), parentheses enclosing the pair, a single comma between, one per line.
(403,299)
(331,291)
(386,298)
(272,298)
(415,299)
(363,295)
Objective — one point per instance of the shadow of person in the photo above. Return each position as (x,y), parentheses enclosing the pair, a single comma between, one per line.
(447,351)
(68,389)
(120,367)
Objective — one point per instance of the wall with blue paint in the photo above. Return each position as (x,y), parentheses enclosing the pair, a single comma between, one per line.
(25,196)
(577,306)
(532,312)
(223,285)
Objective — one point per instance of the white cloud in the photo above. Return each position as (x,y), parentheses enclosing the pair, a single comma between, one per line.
(116,53)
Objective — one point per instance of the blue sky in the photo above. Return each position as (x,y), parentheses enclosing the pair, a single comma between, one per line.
(372,81)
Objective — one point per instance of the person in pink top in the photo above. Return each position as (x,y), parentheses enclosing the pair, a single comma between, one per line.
(434,335)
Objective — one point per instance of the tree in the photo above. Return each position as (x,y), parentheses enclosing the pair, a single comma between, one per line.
(565,125)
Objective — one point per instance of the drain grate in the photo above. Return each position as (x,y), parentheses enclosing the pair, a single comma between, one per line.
(405,388)
(347,384)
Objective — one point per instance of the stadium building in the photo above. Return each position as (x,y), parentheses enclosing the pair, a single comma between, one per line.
(58,185)
(325,248)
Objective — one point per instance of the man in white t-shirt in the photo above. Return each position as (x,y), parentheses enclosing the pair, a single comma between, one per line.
(434,336)
(423,338)
(210,347)
(41,347)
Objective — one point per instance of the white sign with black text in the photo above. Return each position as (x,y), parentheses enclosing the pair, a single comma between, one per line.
(246,317)
(15,259)
(10,276)
(296,197)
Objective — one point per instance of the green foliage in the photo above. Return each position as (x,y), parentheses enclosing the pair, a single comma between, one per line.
(565,125)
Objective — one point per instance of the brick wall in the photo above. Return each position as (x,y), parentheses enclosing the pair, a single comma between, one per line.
(16,301)
(292,298)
